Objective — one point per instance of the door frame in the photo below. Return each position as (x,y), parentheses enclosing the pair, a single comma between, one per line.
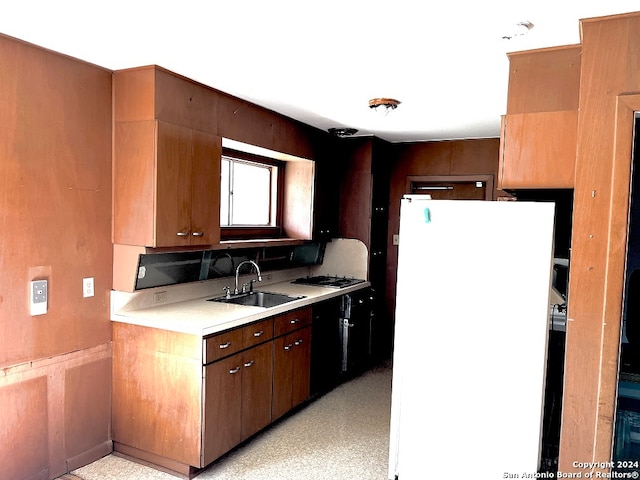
(486,179)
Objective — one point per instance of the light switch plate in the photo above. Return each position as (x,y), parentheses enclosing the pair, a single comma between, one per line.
(38,297)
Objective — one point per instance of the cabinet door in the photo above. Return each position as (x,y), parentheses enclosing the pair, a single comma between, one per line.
(291,370)
(222,407)
(538,150)
(256,388)
(134,186)
(173,185)
(282,375)
(205,192)
(301,374)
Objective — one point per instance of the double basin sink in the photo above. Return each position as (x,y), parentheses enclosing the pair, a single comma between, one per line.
(257,299)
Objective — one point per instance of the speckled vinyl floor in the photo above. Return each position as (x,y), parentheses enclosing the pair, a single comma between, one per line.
(343,435)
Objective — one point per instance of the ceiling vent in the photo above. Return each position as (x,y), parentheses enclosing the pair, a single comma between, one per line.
(342,132)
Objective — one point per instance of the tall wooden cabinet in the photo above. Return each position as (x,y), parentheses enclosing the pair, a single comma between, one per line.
(364,198)
(539,131)
(166,168)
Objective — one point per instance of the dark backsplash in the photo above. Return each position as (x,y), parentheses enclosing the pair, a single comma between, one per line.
(161,269)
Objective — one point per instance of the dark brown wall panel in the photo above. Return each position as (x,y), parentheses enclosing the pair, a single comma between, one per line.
(458,157)
(245,122)
(356,190)
(55,207)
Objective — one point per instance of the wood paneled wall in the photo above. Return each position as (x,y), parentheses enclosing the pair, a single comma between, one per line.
(356,190)
(544,80)
(55,212)
(610,69)
(456,157)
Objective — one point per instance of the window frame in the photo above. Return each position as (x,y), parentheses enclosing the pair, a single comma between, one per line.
(244,232)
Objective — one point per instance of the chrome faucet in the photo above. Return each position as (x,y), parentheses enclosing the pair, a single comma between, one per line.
(257,268)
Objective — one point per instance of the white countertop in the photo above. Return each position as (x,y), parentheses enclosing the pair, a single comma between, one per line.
(197,316)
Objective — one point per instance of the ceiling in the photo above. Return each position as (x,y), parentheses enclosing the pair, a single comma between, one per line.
(321,62)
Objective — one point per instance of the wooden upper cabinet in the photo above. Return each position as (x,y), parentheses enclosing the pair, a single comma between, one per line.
(538,150)
(538,138)
(166,185)
(153,93)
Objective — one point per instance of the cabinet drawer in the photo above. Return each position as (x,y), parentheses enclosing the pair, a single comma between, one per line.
(222,345)
(257,333)
(292,321)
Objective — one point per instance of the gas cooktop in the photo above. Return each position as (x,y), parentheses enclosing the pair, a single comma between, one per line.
(328,281)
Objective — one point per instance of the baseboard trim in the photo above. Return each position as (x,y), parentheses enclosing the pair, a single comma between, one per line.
(90,456)
(155,461)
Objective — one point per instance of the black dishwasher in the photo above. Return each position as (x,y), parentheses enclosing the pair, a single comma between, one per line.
(341,340)
(326,346)
(355,331)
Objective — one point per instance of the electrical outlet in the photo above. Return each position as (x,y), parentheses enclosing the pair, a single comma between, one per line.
(87,287)
(38,297)
(161,297)
(396,239)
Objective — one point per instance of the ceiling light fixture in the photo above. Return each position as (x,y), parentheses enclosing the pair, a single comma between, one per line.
(342,132)
(383,105)
(520,29)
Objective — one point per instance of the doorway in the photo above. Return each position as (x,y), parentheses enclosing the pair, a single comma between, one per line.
(452,187)
(627,426)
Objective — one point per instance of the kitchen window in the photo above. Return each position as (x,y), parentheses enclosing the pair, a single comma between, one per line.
(250,189)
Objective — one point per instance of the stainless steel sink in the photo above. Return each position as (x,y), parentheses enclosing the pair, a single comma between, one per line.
(257,299)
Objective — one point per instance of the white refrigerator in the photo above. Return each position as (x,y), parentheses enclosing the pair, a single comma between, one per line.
(470,339)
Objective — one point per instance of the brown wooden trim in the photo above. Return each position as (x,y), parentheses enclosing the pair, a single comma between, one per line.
(242,233)
(154,461)
(85,458)
(543,49)
(251,157)
(600,426)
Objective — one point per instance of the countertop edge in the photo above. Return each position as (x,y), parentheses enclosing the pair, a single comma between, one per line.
(197,318)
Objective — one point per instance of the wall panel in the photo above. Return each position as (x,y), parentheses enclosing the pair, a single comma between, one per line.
(55,212)
(24,429)
(458,157)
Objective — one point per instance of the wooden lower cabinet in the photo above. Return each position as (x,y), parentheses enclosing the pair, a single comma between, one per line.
(291,370)
(181,401)
(237,399)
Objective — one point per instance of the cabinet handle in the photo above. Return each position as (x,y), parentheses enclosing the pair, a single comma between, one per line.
(288,347)
(258,334)
(198,234)
(248,364)
(182,234)
(234,370)
(294,321)
(225,345)
(298,342)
